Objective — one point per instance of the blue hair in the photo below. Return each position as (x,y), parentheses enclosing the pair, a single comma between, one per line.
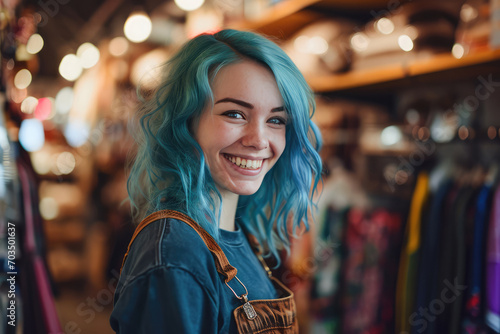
(169,171)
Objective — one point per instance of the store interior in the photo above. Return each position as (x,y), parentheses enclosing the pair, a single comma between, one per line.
(406,235)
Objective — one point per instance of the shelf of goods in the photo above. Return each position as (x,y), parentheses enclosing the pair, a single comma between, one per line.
(287,17)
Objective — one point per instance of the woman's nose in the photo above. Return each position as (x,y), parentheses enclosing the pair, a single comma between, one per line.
(255,136)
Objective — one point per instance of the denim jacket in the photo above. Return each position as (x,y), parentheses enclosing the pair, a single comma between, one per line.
(169,282)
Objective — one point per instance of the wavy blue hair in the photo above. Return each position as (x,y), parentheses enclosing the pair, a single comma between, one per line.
(169,171)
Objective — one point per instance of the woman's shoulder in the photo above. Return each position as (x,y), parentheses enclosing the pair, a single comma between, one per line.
(169,243)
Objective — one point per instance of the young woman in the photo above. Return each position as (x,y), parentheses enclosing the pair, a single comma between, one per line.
(226,140)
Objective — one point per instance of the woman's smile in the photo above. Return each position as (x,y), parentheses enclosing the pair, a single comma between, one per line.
(244,163)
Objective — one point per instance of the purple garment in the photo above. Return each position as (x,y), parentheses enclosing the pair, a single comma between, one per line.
(493,267)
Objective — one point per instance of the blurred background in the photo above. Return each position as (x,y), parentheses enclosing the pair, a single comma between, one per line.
(407,233)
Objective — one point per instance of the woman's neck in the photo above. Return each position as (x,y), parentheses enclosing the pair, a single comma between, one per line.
(228,213)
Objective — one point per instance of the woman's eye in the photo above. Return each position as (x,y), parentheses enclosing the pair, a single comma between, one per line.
(233,114)
(278,121)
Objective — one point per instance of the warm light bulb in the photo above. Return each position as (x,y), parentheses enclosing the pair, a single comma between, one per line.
(458,51)
(70,67)
(189,5)
(405,43)
(138,27)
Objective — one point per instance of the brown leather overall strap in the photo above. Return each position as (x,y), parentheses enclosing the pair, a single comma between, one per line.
(221,262)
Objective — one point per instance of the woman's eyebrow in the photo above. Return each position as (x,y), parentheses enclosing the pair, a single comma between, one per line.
(246,104)
(236,101)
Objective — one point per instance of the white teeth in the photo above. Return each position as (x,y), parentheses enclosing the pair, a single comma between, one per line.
(245,163)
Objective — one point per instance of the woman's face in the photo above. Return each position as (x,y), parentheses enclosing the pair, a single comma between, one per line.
(243,134)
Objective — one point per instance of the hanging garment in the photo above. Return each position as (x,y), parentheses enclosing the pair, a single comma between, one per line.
(463,229)
(429,260)
(406,281)
(446,306)
(41,315)
(327,284)
(493,267)
(474,309)
(369,271)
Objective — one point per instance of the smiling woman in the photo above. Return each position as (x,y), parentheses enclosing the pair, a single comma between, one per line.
(247,125)
(227,151)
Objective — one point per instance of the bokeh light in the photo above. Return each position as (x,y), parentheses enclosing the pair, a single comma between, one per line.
(64,100)
(22,79)
(118,46)
(458,50)
(385,26)
(138,27)
(29,104)
(49,209)
(390,135)
(89,55)
(66,162)
(44,108)
(35,44)
(70,67)
(189,5)
(31,134)
(76,133)
(405,43)
(359,42)
(41,162)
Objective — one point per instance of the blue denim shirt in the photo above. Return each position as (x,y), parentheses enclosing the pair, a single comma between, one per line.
(169,283)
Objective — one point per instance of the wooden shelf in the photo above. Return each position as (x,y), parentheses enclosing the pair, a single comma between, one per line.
(276,13)
(442,63)
(286,17)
